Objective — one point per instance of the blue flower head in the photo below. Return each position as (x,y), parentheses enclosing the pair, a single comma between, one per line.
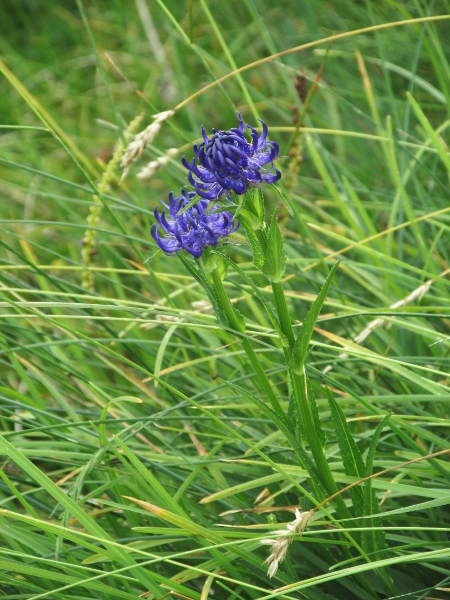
(228,162)
(198,227)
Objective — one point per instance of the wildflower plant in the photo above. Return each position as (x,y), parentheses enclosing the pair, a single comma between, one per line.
(163,419)
(194,223)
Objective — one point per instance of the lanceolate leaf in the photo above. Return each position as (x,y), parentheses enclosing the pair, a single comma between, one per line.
(278,420)
(430,131)
(286,203)
(373,446)
(208,288)
(267,305)
(162,349)
(275,259)
(257,251)
(351,455)
(252,218)
(373,540)
(256,202)
(315,411)
(301,345)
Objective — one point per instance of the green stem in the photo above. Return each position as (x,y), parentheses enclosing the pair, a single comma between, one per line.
(283,314)
(299,384)
(248,348)
(300,393)
(306,415)
(326,476)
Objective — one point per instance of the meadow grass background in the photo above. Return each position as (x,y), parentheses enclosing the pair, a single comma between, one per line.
(82,332)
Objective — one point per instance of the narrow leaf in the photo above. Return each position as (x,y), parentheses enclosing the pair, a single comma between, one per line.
(275,259)
(267,305)
(438,145)
(315,412)
(284,201)
(374,540)
(162,349)
(257,250)
(84,519)
(202,280)
(373,445)
(158,489)
(301,345)
(278,420)
(351,455)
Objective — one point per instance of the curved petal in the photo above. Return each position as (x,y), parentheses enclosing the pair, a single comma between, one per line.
(253,175)
(240,129)
(263,137)
(255,137)
(157,217)
(271,177)
(168,227)
(209,192)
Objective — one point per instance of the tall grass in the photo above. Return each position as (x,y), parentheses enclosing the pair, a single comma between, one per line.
(148,447)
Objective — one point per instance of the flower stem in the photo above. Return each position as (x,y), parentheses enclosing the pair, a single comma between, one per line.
(228,309)
(283,314)
(320,460)
(301,394)
(304,407)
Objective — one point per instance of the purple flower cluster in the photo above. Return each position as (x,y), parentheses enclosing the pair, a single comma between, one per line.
(192,230)
(228,162)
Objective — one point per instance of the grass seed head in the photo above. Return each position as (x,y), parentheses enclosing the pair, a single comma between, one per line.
(280,545)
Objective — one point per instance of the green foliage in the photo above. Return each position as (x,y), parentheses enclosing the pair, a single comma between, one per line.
(284,200)
(350,453)
(114,486)
(275,260)
(374,538)
(304,337)
(252,218)
(315,411)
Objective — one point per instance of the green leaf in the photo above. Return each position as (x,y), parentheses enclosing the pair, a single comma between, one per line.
(301,345)
(144,576)
(315,412)
(284,201)
(374,540)
(275,259)
(286,424)
(351,455)
(253,208)
(203,281)
(251,216)
(257,250)
(373,445)
(189,205)
(294,416)
(438,145)
(215,260)
(267,305)
(37,573)
(161,351)
(203,535)
(256,201)
(239,318)
(280,421)
(159,491)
